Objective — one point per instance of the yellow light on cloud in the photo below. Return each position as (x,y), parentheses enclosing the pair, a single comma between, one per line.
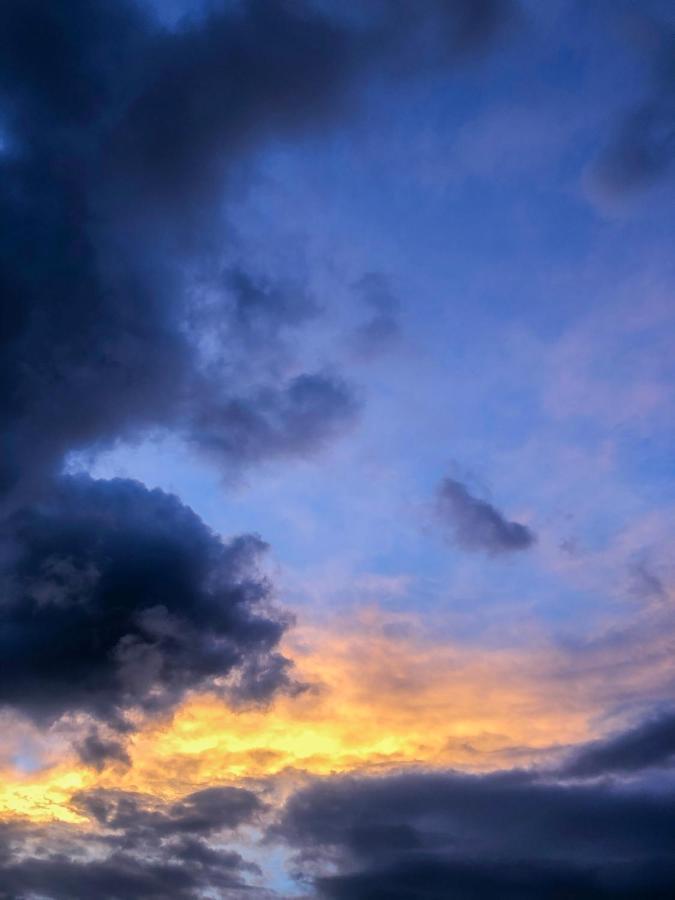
(377,698)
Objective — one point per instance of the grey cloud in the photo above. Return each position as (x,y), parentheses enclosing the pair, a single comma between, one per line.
(650,744)
(477,525)
(295,419)
(143,818)
(508,835)
(97,751)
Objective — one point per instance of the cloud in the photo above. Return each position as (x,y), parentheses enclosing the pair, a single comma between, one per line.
(136,847)
(293,420)
(476,524)
(97,751)
(442,705)
(262,306)
(642,148)
(451,28)
(651,744)
(120,135)
(492,836)
(121,138)
(119,597)
(645,583)
(144,818)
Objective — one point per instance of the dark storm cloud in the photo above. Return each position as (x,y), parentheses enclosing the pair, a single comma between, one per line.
(449,835)
(182,871)
(118,136)
(476,524)
(643,147)
(139,849)
(470,880)
(650,744)
(115,596)
(119,139)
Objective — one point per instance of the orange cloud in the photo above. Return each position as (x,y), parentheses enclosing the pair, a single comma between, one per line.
(380,695)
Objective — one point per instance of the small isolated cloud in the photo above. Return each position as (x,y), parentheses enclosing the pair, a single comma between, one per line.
(476,525)
(496,836)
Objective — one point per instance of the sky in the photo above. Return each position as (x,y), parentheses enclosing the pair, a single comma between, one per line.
(336,499)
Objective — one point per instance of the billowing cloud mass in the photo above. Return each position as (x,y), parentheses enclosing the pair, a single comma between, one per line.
(133,846)
(514,834)
(650,744)
(495,836)
(118,141)
(476,524)
(116,597)
(121,316)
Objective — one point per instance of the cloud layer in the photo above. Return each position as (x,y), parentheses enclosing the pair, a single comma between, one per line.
(133,846)
(495,836)
(117,597)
